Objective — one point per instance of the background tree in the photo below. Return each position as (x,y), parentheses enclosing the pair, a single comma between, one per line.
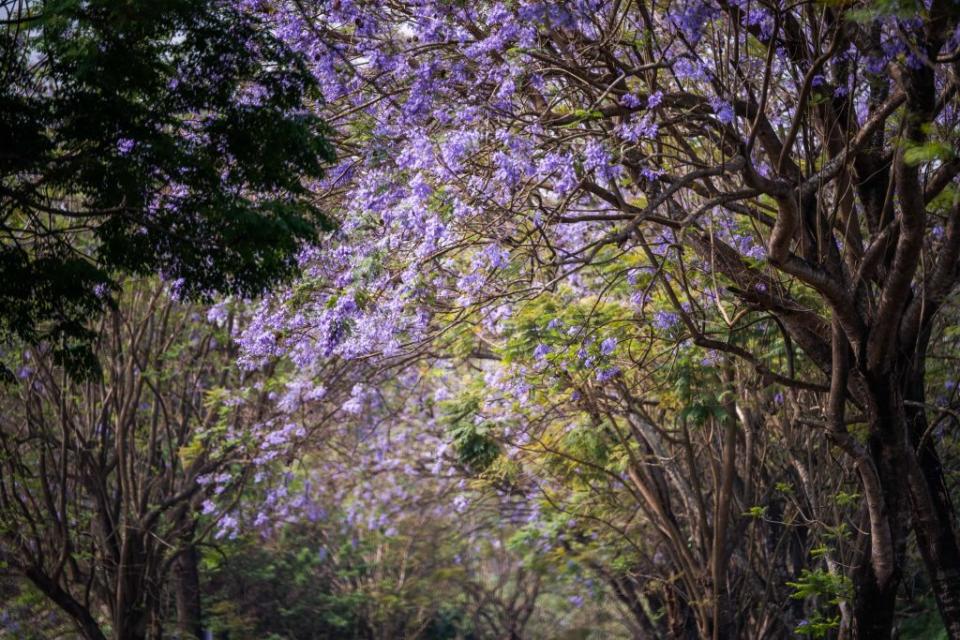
(371,534)
(107,485)
(142,137)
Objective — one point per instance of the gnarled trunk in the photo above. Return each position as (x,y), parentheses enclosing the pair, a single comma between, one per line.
(882,467)
(934,516)
(914,495)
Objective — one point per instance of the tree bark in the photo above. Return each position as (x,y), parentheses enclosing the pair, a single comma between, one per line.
(130,614)
(936,539)
(189,610)
(873,605)
(933,511)
(877,576)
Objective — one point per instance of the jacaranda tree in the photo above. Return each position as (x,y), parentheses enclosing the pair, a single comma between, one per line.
(749,171)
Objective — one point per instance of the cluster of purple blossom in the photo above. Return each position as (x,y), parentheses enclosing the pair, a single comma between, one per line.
(474,176)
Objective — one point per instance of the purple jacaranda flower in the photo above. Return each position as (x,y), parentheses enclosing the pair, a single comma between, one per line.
(665,320)
(722,109)
(608,346)
(607,374)
(596,158)
(541,351)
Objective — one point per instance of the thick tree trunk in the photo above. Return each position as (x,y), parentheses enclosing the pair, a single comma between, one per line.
(875,588)
(873,606)
(189,612)
(130,615)
(131,625)
(936,538)
(933,512)
(914,493)
(877,575)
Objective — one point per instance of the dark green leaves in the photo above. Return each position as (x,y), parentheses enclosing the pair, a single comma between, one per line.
(143,136)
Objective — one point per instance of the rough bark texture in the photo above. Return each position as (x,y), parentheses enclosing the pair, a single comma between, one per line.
(189,612)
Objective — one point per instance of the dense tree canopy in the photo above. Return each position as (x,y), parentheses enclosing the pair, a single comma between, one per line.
(637,320)
(712,170)
(171,136)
